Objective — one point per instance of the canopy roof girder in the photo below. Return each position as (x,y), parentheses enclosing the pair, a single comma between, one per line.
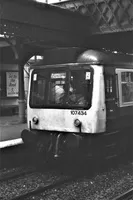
(42,22)
(107,15)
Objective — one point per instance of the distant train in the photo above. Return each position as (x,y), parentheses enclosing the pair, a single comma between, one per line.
(80,103)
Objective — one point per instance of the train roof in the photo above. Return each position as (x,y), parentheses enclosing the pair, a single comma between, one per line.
(80,55)
(104,57)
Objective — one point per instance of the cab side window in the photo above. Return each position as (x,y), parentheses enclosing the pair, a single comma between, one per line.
(109,87)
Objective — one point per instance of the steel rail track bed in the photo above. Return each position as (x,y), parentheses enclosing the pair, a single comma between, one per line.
(17,174)
(43,189)
(128,195)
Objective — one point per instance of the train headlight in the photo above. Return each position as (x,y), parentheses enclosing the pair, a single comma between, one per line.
(35,120)
(77,122)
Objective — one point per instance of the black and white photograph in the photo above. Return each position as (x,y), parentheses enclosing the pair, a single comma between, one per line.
(66,99)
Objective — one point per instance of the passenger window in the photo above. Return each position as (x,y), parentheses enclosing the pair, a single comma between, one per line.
(127,87)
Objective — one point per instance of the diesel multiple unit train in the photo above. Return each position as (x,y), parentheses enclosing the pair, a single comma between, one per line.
(80,104)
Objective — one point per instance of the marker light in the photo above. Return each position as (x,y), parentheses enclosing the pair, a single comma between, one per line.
(77,122)
(35,120)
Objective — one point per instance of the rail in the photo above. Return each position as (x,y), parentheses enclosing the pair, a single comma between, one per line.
(128,195)
(43,189)
(17,174)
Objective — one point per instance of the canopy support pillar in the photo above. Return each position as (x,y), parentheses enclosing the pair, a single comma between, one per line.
(21,101)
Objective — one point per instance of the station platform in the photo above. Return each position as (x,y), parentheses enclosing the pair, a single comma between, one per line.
(10,131)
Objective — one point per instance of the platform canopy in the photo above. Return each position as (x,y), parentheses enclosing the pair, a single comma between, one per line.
(84,23)
(40,23)
(112,21)
(107,15)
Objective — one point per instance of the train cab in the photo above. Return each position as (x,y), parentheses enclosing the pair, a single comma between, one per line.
(82,105)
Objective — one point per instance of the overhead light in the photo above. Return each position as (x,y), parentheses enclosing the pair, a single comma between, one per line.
(50,1)
(41,1)
(2,36)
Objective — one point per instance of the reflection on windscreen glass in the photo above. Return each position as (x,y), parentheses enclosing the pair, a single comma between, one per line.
(38,89)
(57,88)
(79,88)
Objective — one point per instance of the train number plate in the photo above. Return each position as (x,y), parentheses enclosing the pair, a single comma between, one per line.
(78,112)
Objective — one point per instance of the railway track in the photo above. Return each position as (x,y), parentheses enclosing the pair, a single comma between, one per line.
(43,189)
(50,180)
(125,196)
(18,172)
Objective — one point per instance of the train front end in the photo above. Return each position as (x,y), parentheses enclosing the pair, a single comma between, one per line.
(65,108)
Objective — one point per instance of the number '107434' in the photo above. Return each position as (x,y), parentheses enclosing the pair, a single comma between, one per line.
(78,112)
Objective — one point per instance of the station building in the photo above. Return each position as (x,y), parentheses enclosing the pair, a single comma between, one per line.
(100,24)
(9,80)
